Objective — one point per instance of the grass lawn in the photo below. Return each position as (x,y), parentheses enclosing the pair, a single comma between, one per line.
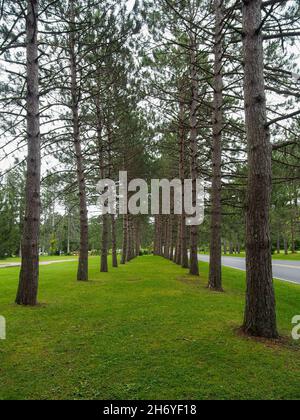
(143,331)
(282,256)
(43,258)
(291,257)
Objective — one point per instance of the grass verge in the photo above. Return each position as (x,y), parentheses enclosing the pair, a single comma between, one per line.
(144,331)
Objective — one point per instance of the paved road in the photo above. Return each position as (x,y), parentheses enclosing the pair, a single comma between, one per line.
(8,265)
(283,270)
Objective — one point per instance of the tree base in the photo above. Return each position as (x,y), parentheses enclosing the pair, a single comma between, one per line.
(216,289)
(260,333)
(26,303)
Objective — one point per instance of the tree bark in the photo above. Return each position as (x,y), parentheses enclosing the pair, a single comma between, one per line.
(293,234)
(125,239)
(178,254)
(286,246)
(82,274)
(194,266)
(155,247)
(225,247)
(114,241)
(137,238)
(128,256)
(158,236)
(29,275)
(104,244)
(260,313)
(278,244)
(105,217)
(215,271)
(172,245)
(68,234)
(130,237)
(167,237)
(184,258)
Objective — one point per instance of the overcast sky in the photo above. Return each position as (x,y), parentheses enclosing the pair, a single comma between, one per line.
(5,164)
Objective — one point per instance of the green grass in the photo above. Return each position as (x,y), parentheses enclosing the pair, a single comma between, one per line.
(143,331)
(281,256)
(291,257)
(4,261)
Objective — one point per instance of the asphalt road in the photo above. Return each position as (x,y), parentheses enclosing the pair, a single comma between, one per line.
(283,270)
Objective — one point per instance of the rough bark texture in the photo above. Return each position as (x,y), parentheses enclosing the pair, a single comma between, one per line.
(114,241)
(278,244)
(293,235)
(82,274)
(184,258)
(125,240)
(167,237)
(130,239)
(171,235)
(158,248)
(215,272)
(286,246)
(104,244)
(128,256)
(194,266)
(69,234)
(137,238)
(260,314)
(225,247)
(28,283)
(105,217)
(178,253)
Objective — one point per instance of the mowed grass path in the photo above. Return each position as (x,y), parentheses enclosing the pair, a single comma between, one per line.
(281,256)
(143,331)
(42,259)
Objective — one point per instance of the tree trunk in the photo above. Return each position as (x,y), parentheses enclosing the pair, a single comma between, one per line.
(137,238)
(184,243)
(29,275)
(215,272)
(194,266)
(278,244)
(286,246)
(125,239)
(225,247)
(159,235)
(155,247)
(293,236)
(133,236)
(172,245)
(104,244)
(68,233)
(167,238)
(82,274)
(260,313)
(132,244)
(184,258)
(114,241)
(175,237)
(129,256)
(179,244)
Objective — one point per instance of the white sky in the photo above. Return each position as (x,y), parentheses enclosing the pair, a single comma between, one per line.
(50,162)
